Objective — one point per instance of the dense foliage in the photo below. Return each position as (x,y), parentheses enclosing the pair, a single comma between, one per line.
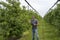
(14,20)
(53,17)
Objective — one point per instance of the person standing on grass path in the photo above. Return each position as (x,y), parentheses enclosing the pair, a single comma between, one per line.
(34,23)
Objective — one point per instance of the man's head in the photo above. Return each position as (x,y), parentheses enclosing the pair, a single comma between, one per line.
(33,17)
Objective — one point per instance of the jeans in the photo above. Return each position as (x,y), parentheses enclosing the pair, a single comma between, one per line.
(35,34)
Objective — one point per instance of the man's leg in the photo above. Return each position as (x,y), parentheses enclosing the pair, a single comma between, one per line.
(33,34)
(37,36)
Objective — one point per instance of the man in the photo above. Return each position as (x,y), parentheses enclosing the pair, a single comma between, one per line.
(34,23)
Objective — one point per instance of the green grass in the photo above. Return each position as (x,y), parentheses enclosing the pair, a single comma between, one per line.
(45,31)
(1,37)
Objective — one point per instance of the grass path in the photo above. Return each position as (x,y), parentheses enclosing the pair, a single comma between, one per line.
(1,37)
(45,31)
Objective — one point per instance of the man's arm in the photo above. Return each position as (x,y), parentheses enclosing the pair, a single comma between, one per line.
(36,22)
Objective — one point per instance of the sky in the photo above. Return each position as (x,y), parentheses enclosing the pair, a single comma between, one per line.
(42,6)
